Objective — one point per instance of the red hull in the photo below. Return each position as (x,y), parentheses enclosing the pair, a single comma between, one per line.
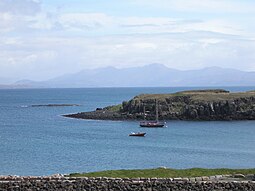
(151,124)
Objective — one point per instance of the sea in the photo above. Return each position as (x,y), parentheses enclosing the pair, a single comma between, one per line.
(40,141)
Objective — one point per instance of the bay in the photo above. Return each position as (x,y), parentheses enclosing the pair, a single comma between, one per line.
(39,141)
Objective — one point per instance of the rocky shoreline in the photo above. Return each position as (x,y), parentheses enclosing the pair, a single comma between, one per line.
(187,105)
(60,182)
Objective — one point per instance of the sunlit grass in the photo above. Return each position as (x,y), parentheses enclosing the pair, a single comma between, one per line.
(164,173)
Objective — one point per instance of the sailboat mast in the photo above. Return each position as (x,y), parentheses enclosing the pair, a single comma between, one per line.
(156,109)
(143,111)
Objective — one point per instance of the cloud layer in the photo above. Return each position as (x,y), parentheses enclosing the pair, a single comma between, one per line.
(40,40)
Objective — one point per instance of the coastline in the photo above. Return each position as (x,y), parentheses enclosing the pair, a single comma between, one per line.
(195,105)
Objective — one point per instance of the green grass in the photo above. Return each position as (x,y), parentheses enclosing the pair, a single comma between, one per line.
(164,173)
(199,95)
(114,107)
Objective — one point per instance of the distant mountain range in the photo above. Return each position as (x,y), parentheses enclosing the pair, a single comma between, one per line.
(153,75)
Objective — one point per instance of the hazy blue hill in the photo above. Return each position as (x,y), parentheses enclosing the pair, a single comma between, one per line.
(154,75)
(150,75)
(216,76)
(30,84)
(147,76)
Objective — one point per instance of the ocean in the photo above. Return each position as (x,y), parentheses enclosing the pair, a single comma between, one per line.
(39,141)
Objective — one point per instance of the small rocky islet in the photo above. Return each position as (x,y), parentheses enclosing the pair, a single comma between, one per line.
(55,105)
(215,104)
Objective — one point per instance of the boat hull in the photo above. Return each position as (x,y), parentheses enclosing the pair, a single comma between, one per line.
(152,124)
(137,134)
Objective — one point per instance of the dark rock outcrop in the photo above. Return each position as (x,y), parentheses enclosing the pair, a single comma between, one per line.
(187,105)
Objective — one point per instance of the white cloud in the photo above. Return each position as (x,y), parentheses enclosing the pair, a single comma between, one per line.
(17,14)
(87,23)
(145,45)
(37,44)
(31,19)
(20,7)
(202,6)
(85,20)
(47,57)
(41,22)
(6,22)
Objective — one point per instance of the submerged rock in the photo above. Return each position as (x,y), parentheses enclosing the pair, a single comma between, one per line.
(54,105)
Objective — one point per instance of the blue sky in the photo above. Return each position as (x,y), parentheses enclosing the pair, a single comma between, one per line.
(41,39)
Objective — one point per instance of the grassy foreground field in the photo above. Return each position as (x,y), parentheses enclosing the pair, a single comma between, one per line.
(164,173)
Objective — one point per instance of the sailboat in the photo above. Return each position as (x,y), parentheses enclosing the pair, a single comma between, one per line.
(155,123)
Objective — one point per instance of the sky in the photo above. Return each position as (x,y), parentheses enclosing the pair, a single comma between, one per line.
(42,39)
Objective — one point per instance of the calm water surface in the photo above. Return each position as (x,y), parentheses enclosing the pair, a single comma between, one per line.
(39,141)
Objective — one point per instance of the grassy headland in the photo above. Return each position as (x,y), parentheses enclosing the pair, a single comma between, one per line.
(164,173)
(216,104)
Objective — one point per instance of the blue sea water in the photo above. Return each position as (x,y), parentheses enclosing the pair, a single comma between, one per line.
(39,141)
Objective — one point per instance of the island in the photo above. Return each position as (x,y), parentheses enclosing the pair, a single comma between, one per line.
(211,104)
